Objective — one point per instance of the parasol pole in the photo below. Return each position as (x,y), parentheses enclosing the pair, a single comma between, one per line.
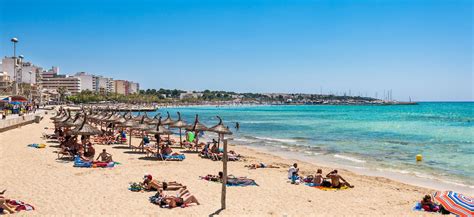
(224,177)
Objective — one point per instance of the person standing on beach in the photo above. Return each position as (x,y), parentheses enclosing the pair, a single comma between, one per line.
(293,173)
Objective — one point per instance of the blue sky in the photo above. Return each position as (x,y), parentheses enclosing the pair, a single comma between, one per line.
(417,48)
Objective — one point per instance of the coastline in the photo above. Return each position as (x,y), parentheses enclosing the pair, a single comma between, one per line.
(56,188)
(406,178)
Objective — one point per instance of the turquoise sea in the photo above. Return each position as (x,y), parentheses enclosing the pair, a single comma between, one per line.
(375,137)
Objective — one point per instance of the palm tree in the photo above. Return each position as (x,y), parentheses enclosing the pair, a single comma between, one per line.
(62,93)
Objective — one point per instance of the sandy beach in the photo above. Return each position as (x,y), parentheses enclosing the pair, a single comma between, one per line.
(55,187)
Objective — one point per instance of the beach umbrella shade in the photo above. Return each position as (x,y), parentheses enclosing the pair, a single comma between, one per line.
(196,127)
(58,114)
(180,124)
(459,204)
(155,120)
(85,129)
(138,117)
(220,129)
(147,119)
(168,120)
(159,130)
(66,116)
(129,124)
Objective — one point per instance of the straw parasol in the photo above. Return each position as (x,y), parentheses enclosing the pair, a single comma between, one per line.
(168,120)
(85,129)
(66,116)
(159,130)
(129,124)
(58,114)
(154,120)
(138,117)
(222,130)
(179,124)
(196,127)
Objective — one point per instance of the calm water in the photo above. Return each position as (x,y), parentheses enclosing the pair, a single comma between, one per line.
(379,137)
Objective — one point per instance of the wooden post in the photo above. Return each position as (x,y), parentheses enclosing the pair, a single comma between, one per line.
(130,142)
(224,178)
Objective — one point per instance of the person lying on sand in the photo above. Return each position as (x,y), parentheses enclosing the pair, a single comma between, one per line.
(7,208)
(152,184)
(172,201)
(337,181)
(260,165)
(104,156)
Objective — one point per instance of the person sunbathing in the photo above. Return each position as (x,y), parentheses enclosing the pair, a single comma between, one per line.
(428,205)
(337,181)
(173,201)
(260,165)
(152,184)
(105,157)
(318,178)
(7,208)
(168,151)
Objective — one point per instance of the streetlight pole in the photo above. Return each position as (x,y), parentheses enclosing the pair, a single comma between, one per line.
(31,87)
(14,41)
(20,74)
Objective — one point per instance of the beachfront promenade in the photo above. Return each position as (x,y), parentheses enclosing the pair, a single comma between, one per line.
(14,121)
(55,187)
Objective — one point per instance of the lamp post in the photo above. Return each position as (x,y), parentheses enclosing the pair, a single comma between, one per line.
(14,41)
(31,85)
(20,74)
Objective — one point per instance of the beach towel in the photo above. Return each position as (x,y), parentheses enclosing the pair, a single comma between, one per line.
(34,145)
(242,182)
(331,189)
(174,157)
(20,205)
(80,163)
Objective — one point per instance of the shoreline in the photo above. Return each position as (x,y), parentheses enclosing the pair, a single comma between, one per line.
(410,179)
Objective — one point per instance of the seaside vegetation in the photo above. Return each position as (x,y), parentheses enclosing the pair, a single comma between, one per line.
(168,96)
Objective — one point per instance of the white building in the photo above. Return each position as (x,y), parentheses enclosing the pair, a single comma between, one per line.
(110,85)
(133,87)
(86,81)
(27,72)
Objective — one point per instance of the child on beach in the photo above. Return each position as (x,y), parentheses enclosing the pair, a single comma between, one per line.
(293,174)
(428,205)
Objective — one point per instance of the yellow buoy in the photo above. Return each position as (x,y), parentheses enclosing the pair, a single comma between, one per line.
(419,157)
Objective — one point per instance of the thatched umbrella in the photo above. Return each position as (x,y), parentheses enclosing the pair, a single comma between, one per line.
(147,119)
(85,129)
(222,130)
(155,119)
(138,117)
(196,127)
(129,124)
(58,114)
(179,124)
(159,130)
(66,116)
(168,120)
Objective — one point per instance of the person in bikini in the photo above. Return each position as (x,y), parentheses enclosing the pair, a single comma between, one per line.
(152,184)
(260,165)
(104,156)
(318,178)
(337,181)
